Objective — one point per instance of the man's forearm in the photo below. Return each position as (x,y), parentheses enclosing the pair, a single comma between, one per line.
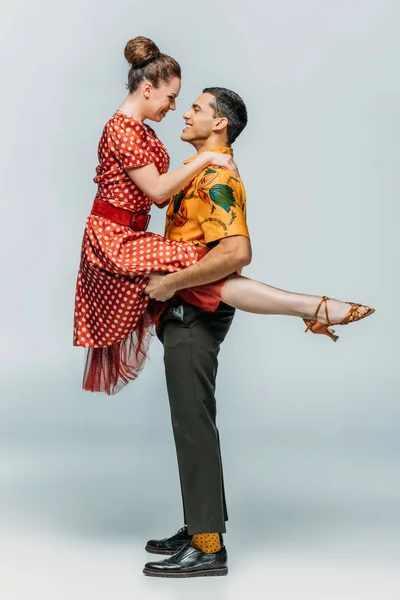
(218,263)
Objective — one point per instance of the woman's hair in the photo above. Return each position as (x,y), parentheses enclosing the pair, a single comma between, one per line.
(148,63)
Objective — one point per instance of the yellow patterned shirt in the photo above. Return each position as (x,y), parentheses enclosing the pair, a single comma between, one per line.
(212,206)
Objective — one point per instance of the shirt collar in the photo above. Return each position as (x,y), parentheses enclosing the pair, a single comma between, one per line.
(222,149)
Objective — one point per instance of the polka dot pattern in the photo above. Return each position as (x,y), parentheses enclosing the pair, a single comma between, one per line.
(116,260)
(207,542)
(126,143)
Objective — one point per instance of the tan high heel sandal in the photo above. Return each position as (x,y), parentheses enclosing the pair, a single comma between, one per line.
(352,316)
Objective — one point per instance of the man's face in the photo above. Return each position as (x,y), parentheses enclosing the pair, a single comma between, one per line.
(199,120)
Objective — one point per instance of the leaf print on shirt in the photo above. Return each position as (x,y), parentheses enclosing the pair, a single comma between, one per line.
(178,200)
(179,215)
(219,194)
(203,195)
(208,177)
(222,195)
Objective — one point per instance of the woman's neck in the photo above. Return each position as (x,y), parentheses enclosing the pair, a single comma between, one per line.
(131,106)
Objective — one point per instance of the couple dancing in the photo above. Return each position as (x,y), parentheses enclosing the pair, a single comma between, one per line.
(187,284)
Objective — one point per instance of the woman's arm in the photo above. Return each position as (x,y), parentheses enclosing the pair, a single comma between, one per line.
(161,187)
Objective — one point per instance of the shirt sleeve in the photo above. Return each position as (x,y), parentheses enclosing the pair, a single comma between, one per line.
(221,205)
(127,140)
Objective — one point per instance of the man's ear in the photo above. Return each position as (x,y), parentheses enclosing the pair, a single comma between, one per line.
(221,124)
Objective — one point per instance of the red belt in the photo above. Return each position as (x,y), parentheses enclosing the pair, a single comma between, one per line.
(138,221)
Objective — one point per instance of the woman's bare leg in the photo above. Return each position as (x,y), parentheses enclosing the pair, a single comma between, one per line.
(256,297)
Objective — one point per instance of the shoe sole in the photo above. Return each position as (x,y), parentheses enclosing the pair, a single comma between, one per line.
(153,550)
(205,573)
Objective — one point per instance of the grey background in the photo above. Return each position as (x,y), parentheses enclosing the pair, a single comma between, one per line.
(310,429)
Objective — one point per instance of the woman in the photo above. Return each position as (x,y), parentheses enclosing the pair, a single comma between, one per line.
(113,317)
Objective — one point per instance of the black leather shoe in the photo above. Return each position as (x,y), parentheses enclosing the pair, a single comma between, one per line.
(189,562)
(171,544)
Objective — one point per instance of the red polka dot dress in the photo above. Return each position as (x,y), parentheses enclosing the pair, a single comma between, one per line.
(112,318)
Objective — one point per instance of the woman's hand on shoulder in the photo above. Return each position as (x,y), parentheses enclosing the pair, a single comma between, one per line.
(220,159)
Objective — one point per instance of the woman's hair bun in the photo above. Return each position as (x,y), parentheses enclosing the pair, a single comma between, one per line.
(140,51)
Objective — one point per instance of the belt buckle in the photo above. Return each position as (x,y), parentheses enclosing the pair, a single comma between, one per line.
(140,221)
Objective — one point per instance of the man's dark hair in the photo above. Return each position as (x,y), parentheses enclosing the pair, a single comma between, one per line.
(230,105)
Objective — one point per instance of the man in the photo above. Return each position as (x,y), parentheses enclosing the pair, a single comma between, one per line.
(211,212)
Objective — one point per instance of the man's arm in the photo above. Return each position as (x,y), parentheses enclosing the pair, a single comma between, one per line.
(230,255)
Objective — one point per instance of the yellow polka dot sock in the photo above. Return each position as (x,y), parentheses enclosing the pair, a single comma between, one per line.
(207,542)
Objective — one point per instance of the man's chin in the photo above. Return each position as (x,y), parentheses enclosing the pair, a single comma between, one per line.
(184,136)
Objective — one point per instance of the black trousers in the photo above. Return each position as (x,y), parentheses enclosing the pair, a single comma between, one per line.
(192,339)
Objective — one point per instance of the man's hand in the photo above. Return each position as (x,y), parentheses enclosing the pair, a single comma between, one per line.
(160,287)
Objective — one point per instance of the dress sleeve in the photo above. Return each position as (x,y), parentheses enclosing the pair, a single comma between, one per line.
(128,141)
(221,205)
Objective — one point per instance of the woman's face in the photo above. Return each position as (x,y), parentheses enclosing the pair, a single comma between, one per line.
(159,101)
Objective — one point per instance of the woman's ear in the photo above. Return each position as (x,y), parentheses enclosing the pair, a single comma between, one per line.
(147,88)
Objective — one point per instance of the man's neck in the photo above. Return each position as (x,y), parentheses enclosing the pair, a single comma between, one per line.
(207,145)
